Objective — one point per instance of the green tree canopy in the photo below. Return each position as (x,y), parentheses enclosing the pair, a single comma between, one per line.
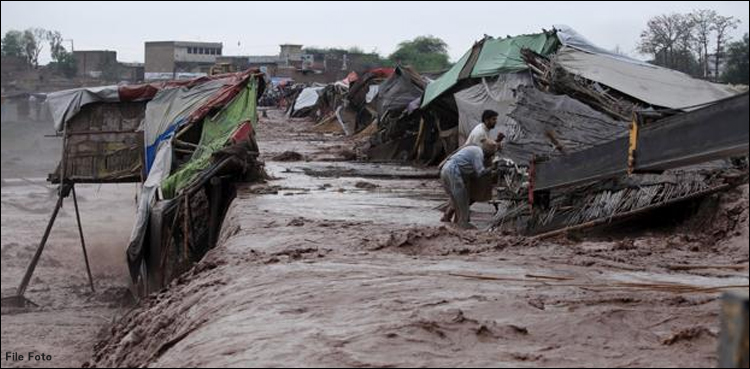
(424,53)
(12,43)
(738,66)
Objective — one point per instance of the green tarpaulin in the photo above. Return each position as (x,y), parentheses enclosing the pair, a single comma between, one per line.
(497,56)
(446,81)
(504,55)
(216,133)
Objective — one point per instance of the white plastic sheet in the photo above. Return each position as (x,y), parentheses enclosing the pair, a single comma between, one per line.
(490,94)
(307,98)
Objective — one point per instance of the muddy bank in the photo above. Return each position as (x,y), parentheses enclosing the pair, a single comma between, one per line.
(318,270)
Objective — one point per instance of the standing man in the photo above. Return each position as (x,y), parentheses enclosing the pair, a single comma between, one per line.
(482,130)
(466,165)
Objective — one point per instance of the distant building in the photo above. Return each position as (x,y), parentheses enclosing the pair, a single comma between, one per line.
(134,72)
(291,54)
(296,63)
(173,59)
(95,63)
(103,64)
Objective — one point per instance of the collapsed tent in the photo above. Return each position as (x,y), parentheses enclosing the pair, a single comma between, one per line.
(398,121)
(651,84)
(319,102)
(656,86)
(563,62)
(395,94)
(557,94)
(548,125)
(306,101)
(491,57)
(494,93)
(195,135)
(358,110)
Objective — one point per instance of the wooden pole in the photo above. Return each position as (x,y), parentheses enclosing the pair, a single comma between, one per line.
(83,242)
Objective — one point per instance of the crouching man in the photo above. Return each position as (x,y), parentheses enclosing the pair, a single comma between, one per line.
(464,166)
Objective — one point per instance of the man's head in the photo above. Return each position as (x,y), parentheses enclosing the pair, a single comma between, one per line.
(489,118)
(489,147)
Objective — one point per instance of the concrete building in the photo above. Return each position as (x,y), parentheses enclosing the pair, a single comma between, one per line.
(133,72)
(266,63)
(293,62)
(171,59)
(95,63)
(291,54)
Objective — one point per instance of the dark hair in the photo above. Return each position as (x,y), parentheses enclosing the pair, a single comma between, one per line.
(487,114)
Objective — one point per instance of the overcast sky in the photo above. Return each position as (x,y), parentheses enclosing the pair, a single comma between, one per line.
(257,28)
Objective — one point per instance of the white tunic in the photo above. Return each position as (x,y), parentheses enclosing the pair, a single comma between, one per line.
(479,133)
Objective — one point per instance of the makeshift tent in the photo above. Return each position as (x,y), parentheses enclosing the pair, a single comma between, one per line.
(306,99)
(216,133)
(170,110)
(491,57)
(651,84)
(399,121)
(65,104)
(400,89)
(496,94)
(549,125)
(185,129)
(174,109)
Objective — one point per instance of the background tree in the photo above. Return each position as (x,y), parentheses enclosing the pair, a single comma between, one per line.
(55,45)
(721,26)
(682,41)
(738,65)
(32,42)
(62,61)
(703,21)
(12,44)
(660,37)
(424,53)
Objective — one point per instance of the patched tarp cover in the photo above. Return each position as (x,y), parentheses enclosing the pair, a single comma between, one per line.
(217,130)
(551,125)
(400,89)
(496,56)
